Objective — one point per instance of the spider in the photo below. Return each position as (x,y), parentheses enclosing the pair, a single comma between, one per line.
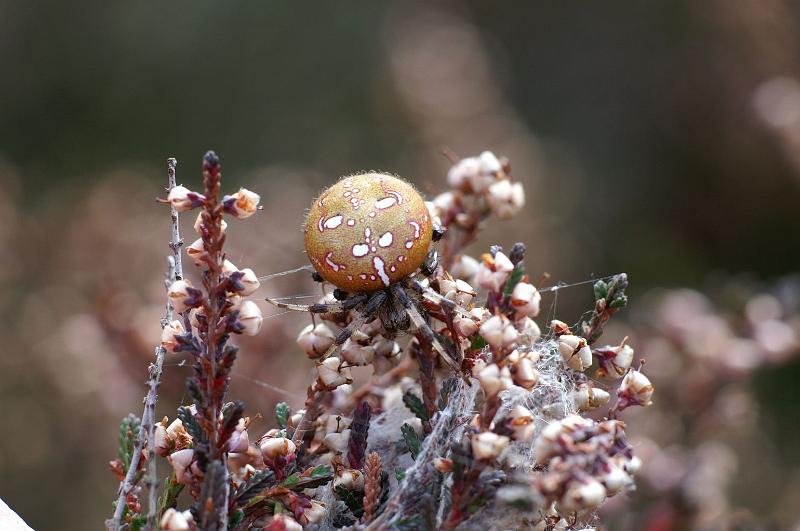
(370,236)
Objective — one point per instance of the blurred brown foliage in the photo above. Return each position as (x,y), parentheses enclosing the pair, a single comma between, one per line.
(649,138)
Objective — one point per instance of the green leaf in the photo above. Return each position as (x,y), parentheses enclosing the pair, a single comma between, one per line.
(600,290)
(291,481)
(169,494)
(620,301)
(411,439)
(236,518)
(138,523)
(354,503)
(282,412)
(514,279)
(321,470)
(415,405)
(399,474)
(128,433)
(476,342)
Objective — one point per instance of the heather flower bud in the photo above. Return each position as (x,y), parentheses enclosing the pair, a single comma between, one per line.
(242,204)
(505,198)
(462,173)
(183,465)
(313,514)
(180,295)
(356,354)
(250,282)
(499,332)
(526,299)
(350,479)
(250,317)
(529,331)
(274,447)
(587,397)
(332,374)
(521,422)
(169,336)
(173,520)
(161,442)
(239,441)
(614,361)
(635,390)
(199,223)
(316,340)
(443,465)
(337,441)
(182,199)
(525,374)
(582,495)
(387,348)
(493,379)
(283,522)
(575,352)
(465,326)
(196,251)
(616,480)
(487,446)
(465,268)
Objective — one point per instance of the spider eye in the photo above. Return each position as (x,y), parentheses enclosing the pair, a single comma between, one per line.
(367,232)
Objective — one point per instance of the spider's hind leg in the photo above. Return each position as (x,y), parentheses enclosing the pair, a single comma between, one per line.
(322,307)
(372,305)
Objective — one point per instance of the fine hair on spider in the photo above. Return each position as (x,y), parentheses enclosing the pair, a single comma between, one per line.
(370,236)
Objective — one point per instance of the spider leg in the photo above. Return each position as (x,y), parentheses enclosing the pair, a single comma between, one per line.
(370,308)
(321,307)
(423,328)
(438,298)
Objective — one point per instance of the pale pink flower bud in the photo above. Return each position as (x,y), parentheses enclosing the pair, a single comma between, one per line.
(250,282)
(250,317)
(461,174)
(465,268)
(582,495)
(522,424)
(337,441)
(387,348)
(199,222)
(178,294)
(242,204)
(283,522)
(614,361)
(465,326)
(277,447)
(616,479)
(350,479)
(588,397)
(316,340)
(493,272)
(635,390)
(240,440)
(169,333)
(183,465)
(499,332)
(161,442)
(493,380)
(173,520)
(487,446)
(332,374)
(229,267)
(443,203)
(182,199)
(443,465)
(196,251)
(506,199)
(356,354)
(528,330)
(575,352)
(526,299)
(525,374)
(314,514)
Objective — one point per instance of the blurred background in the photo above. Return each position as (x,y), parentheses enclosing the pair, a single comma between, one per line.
(659,139)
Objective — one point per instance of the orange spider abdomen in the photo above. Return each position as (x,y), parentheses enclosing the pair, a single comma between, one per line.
(367,231)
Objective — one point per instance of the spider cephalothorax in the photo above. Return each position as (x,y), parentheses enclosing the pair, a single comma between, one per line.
(370,236)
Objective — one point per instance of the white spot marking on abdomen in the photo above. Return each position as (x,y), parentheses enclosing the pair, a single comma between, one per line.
(386,239)
(416,228)
(378,264)
(332,223)
(386,202)
(360,249)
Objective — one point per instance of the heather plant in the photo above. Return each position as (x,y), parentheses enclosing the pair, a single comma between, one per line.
(470,416)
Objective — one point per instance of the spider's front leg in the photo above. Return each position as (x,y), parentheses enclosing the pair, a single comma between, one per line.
(373,303)
(422,327)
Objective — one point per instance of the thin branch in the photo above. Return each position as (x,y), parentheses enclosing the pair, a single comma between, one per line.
(146,432)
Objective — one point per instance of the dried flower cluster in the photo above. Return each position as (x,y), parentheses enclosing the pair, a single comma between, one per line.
(475,420)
